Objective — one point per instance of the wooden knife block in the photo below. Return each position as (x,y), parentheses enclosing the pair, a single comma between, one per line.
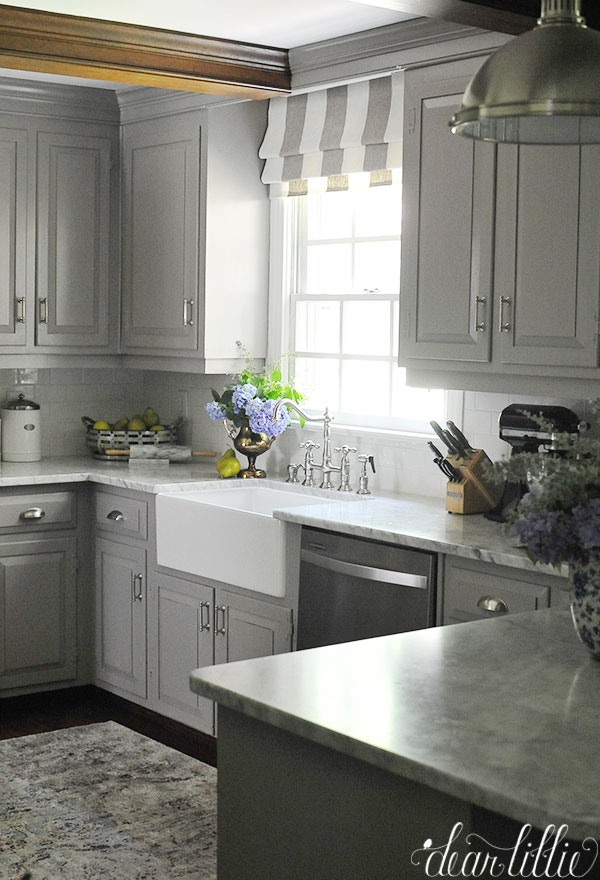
(473,494)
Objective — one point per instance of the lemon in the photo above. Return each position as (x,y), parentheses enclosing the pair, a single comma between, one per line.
(101,426)
(136,424)
(157,428)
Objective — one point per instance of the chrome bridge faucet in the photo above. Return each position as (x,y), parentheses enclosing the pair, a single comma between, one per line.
(326,465)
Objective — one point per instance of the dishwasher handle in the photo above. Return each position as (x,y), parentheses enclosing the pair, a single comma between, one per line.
(367,572)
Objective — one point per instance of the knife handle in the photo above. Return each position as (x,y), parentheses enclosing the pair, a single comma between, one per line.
(444,437)
(460,436)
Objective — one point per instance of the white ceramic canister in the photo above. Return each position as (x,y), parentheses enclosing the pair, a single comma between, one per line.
(21,430)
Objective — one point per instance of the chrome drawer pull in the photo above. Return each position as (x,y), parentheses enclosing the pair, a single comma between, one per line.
(115,515)
(479,324)
(32,513)
(495,606)
(504,326)
(22,306)
(43,303)
(204,618)
(220,630)
(136,596)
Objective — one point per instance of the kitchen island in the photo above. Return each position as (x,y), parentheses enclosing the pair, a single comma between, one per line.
(340,762)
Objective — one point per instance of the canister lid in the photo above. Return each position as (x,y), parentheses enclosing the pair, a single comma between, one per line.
(21,402)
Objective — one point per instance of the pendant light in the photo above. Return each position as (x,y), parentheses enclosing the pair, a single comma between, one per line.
(541,88)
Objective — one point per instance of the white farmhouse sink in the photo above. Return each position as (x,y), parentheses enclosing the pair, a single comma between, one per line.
(228,533)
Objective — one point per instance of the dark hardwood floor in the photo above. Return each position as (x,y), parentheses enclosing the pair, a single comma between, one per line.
(71,707)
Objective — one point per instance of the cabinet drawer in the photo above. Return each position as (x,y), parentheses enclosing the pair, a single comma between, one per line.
(474,591)
(38,511)
(121,516)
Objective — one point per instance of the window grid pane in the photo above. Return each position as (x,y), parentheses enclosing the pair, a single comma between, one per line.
(345,314)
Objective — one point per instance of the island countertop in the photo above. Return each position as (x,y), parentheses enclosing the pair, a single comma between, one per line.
(502,713)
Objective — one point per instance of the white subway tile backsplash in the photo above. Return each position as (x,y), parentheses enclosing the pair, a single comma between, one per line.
(490,401)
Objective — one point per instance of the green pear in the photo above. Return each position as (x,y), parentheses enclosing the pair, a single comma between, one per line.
(150,417)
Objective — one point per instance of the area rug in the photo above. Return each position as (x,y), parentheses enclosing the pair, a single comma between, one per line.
(102,801)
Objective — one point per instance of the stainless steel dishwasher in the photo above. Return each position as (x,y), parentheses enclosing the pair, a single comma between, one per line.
(355,588)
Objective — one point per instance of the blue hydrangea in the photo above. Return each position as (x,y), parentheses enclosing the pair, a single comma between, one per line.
(215,410)
(260,413)
(586,521)
(242,395)
(549,536)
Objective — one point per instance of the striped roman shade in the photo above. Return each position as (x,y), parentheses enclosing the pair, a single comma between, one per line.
(356,127)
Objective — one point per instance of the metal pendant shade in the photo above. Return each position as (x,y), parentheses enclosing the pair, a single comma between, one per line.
(541,88)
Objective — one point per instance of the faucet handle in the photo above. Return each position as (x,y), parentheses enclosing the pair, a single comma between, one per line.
(310,444)
(365,460)
(345,450)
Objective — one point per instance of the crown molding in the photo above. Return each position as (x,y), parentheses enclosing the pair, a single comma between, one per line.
(105,50)
(37,98)
(376,51)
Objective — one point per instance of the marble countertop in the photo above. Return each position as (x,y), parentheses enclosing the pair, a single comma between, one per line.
(410,520)
(502,713)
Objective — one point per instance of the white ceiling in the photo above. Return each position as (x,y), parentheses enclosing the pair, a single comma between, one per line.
(280,23)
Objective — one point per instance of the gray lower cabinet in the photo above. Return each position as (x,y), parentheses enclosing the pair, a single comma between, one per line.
(246,628)
(474,590)
(193,625)
(181,639)
(121,616)
(38,606)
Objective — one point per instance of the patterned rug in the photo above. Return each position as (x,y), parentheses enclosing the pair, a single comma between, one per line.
(101,801)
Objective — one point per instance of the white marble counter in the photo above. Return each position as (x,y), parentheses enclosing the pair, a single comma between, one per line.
(140,476)
(412,521)
(500,713)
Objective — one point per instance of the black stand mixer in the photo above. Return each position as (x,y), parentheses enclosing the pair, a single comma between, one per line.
(519,426)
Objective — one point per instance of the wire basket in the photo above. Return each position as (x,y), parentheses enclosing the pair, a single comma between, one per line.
(105,445)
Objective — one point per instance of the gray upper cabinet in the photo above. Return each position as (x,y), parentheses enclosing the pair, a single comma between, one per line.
(13,235)
(161,169)
(500,259)
(59,220)
(547,255)
(448,230)
(195,233)
(73,239)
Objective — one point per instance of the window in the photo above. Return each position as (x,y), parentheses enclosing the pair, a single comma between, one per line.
(344,277)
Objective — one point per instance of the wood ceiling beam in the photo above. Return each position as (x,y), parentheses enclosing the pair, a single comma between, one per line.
(105,50)
(504,16)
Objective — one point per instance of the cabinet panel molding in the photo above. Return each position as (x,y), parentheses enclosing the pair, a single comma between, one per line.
(73,236)
(13,236)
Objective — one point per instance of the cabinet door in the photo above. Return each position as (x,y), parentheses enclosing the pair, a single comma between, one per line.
(13,235)
(478,590)
(160,237)
(38,612)
(121,616)
(547,256)
(447,231)
(73,240)
(246,628)
(182,640)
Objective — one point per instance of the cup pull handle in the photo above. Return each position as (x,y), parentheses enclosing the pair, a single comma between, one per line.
(492,604)
(32,513)
(115,515)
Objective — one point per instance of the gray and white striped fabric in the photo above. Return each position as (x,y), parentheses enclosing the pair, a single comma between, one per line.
(356,127)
